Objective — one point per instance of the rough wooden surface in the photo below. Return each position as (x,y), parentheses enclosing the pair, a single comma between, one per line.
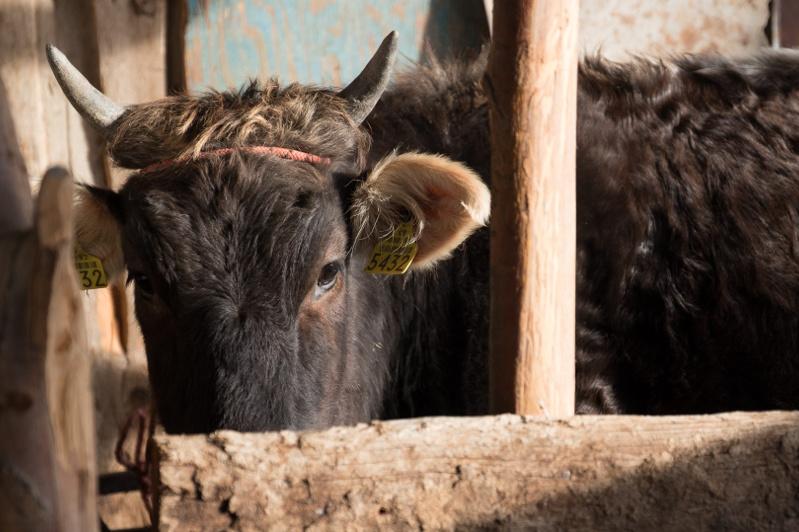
(47,463)
(785,23)
(131,66)
(532,85)
(723,472)
(38,128)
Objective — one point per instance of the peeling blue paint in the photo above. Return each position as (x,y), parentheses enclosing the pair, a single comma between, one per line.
(319,41)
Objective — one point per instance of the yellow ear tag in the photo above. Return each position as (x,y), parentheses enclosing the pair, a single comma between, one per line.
(394,254)
(90,270)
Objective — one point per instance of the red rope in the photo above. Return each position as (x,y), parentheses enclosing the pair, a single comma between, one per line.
(284,153)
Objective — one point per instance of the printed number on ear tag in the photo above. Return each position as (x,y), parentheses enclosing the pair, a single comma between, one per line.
(90,271)
(394,254)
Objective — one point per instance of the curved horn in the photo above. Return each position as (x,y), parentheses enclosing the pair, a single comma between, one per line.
(364,91)
(93,105)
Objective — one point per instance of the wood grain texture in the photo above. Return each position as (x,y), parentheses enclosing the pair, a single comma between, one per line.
(177,19)
(131,43)
(40,120)
(47,463)
(131,66)
(39,129)
(532,81)
(723,472)
(785,23)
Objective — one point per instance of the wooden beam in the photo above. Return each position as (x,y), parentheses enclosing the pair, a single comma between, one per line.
(47,460)
(722,472)
(532,85)
(177,20)
(785,23)
(120,47)
(16,207)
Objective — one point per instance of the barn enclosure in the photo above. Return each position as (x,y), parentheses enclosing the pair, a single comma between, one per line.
(75,403)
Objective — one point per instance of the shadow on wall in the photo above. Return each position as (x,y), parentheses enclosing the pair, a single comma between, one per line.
(35,111)
(27,26)
(15,192)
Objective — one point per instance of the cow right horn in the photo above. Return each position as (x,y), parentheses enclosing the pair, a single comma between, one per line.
(364,91)
(93,105)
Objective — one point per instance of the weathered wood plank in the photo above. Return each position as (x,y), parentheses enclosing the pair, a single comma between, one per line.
(47,463)
(735,471)
(37,117)
(785,23)
(48,131)
(177,19)
(132,60)
(131,65)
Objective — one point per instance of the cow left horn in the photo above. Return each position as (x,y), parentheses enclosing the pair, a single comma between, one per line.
(93,105)
(364,91)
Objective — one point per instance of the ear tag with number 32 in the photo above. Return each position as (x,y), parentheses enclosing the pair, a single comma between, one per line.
(91,273)
(394,254)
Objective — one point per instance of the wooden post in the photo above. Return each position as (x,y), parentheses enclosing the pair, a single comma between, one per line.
(784,24)
(47,460)
(532,85)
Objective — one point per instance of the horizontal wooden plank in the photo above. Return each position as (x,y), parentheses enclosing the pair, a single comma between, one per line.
(736,471)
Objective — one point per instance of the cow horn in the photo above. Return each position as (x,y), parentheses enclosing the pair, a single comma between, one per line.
(93,105)
(364,91)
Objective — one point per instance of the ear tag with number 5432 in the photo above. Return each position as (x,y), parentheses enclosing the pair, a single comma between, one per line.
(394,254)
(91,273)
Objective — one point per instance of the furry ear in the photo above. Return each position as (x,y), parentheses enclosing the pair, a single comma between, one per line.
(98,227)
(445,199)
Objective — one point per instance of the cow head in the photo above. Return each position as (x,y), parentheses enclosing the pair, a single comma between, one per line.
(246,232)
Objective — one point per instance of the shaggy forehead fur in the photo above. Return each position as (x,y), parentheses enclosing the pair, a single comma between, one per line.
(296,117)
(215,225)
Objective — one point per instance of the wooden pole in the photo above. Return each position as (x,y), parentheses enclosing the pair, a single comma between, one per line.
(532,86)
(722,472)
(47,457)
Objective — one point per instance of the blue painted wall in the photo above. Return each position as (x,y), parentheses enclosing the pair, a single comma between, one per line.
(319,41)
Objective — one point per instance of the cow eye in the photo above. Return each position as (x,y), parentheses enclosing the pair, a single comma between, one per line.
(327,277)
(142,283)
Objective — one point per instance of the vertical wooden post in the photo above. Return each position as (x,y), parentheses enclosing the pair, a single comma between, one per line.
(784,24)
(532,84)
(47,460)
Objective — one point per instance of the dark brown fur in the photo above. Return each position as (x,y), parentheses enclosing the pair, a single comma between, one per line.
(688,244)
(294,116)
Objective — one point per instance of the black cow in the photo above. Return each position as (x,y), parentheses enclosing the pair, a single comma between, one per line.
(254,214)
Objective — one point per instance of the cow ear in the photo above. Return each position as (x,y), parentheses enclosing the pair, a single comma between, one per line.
(98,227)
(445,199)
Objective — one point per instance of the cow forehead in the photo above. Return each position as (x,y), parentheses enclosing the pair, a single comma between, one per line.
(251,212)
(236,180)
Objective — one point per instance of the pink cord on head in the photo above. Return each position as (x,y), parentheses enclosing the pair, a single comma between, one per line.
(284,153)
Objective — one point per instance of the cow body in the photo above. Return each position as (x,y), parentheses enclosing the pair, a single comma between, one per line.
(687,185)
(687,232)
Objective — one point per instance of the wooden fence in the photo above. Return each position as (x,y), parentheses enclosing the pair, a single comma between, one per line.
(726,471)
